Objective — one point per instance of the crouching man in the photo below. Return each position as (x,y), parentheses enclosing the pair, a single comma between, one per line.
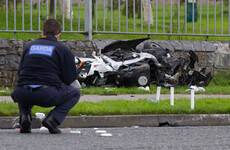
(46,70)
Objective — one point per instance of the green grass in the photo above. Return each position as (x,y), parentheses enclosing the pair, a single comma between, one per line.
(5,91)
(219,85)
(221,79)
(139,107)
(115,25)
(212,89)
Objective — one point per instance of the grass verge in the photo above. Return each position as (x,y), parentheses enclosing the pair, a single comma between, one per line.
(139,107)
(215,89)
(212,89)
(219,85)
(164,25)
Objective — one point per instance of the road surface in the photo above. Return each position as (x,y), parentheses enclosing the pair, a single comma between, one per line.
(132,138)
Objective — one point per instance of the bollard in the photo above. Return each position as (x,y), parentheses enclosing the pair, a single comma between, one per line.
(192,98)
(172,96)
(158,93)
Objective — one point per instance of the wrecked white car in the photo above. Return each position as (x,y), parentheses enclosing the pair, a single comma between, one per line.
(121,64)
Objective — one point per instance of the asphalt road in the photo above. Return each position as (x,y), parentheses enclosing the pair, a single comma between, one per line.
(157,138)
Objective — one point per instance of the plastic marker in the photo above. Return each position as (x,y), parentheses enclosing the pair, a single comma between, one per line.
(158,93)
(192,98)
(172,96)
(194,89)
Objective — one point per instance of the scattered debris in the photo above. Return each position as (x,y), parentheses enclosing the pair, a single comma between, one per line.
(40,115)
(75,131)
(44,128)
(106,134)
(196,89)
(152,100)
(109,89)
(16,125)
(135,127)
(144,88)
(100,131)
(162,124)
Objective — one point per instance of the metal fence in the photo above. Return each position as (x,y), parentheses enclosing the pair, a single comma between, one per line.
(146,17)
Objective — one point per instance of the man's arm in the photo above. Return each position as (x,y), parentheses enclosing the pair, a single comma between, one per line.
(68,68)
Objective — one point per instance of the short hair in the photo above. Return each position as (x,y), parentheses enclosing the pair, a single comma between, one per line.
(51,26)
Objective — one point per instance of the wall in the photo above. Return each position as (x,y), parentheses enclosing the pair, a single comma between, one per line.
(213,55)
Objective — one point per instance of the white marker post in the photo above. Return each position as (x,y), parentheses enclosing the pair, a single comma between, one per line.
(172,96)
(192,98)
(158,93)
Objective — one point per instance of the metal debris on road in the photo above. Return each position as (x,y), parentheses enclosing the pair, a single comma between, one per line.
(44,128)
(100,131)
(40,115)
(106,134)
(75,131)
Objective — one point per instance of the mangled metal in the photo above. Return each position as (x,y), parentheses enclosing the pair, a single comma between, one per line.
(121,64)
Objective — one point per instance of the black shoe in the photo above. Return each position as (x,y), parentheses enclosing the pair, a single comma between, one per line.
(25,124)
(51,123)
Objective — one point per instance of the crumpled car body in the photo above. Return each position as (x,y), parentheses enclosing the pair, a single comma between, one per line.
(121,64)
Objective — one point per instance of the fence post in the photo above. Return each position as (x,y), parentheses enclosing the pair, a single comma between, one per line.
(88,19)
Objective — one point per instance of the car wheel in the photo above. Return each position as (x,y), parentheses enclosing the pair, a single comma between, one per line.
(143,80)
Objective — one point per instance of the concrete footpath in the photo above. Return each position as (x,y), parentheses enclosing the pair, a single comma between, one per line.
(131,120)
(97,98)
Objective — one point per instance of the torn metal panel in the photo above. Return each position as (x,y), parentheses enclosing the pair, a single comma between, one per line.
(121,64)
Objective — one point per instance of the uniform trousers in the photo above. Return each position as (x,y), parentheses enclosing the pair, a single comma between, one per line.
(63,98)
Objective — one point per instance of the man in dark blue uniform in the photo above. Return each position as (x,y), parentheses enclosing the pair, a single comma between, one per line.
(46,70)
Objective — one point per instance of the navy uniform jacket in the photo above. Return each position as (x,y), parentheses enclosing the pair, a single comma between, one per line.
(46,61)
